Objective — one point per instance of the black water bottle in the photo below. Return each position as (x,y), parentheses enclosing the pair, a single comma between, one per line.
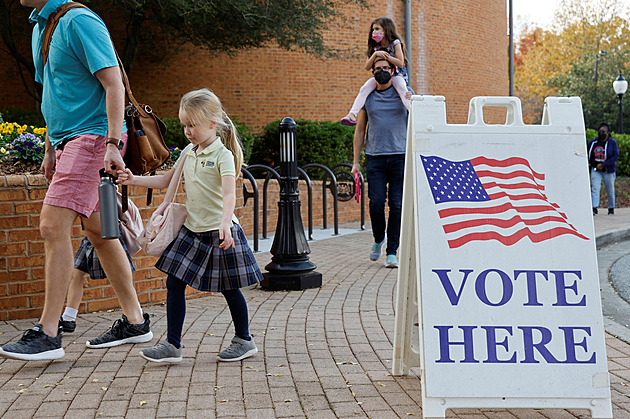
(109,206)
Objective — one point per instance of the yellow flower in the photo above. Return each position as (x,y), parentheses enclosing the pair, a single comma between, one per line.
(20,130)
(3,150)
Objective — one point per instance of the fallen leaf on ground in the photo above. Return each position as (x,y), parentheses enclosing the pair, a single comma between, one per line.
(143,402)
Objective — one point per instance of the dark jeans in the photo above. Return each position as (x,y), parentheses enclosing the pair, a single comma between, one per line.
(385,182)
(176,310)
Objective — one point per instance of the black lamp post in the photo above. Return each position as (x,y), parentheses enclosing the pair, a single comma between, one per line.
(290,267)
(620,85)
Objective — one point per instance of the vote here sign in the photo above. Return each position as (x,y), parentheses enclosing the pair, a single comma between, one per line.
(509,290)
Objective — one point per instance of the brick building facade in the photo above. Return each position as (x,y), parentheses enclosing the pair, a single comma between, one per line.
(458,49)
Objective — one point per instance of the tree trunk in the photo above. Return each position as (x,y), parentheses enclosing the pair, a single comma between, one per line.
(134,37)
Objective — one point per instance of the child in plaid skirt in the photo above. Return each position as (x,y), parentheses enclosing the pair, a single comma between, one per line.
(210,252)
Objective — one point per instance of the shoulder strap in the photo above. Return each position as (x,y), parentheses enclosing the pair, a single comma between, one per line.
(51,24)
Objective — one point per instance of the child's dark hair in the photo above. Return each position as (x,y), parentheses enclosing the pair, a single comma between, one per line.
(389,35)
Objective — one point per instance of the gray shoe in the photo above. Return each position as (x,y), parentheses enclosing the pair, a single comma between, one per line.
(391,261)
(238,349)
(162,352)
(377,250)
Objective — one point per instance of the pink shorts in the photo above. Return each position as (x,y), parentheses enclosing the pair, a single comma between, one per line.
(75,181)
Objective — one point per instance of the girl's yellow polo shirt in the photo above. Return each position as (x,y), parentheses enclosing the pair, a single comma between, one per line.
(204,195)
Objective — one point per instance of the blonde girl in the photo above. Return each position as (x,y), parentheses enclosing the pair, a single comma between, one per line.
(383,42)
(211,252)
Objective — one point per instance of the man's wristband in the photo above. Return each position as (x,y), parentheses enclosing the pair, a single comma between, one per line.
(116,141)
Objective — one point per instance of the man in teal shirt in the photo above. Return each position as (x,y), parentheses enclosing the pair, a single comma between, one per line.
(83,105)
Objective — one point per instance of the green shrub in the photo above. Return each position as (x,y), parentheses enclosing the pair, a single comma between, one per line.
(323,142)
(175,137)
(23,116)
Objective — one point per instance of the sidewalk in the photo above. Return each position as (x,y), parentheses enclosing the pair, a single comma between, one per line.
(324,353)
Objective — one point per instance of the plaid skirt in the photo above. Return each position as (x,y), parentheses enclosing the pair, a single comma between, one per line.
(196,259)
(86,259)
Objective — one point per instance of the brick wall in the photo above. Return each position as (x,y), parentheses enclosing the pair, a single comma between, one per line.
(22,249)
(459,50)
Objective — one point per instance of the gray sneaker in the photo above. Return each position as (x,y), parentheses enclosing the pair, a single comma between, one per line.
(162,352)
(377,250)
(391,261)
(238,349)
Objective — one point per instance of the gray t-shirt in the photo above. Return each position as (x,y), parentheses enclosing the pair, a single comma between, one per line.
(387,123)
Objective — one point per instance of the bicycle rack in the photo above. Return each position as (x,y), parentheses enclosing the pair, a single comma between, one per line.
(254,194)
(333,189)
(270,173)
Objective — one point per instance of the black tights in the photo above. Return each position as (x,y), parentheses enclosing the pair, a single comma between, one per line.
(176,310)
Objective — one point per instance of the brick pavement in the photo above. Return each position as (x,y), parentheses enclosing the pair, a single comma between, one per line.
(324,353)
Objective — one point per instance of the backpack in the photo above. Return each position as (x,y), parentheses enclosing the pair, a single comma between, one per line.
(146,149)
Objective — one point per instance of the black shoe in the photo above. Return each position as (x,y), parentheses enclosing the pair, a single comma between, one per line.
(35,345)
(123,332)
(594,210)
(611,211)
(67,326)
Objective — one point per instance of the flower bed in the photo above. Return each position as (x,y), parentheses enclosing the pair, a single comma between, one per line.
(21,143)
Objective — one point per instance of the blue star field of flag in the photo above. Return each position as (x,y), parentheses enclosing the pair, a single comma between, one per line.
(453,181)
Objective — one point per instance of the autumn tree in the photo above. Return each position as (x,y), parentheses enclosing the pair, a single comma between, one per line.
(580,56)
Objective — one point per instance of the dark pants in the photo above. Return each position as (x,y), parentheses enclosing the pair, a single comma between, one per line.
(385,182)
(176,310)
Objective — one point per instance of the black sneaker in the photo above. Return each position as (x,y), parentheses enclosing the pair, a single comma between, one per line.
(611,211)
(35,345)
(594,210)
(67,326)
(123,332)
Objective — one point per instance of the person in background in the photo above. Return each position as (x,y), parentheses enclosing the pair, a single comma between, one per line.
(384,118)
(603,153)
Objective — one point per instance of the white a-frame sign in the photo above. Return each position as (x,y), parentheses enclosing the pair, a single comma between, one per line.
(498,297)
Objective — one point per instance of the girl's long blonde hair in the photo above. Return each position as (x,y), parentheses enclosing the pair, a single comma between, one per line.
(204,106)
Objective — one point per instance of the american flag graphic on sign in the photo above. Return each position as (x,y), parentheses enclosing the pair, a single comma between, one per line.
(488,199)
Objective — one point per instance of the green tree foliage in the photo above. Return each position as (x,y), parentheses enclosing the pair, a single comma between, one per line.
(580,56)
(224,26)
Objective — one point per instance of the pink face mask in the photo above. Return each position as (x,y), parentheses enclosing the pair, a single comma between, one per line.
(377,36)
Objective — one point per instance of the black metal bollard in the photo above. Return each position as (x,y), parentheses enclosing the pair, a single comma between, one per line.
(290,267)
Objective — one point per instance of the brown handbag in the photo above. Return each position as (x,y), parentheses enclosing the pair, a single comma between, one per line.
(146,149)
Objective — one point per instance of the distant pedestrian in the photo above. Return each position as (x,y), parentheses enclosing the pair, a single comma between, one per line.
(211,252)
(603,153)
(385,118)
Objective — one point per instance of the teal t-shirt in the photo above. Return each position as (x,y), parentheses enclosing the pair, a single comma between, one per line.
(73,99)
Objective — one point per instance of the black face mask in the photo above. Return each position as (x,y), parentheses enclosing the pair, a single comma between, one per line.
(602,136)
(382,76)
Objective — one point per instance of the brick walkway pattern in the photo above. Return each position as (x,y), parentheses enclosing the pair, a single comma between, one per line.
(324,353)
